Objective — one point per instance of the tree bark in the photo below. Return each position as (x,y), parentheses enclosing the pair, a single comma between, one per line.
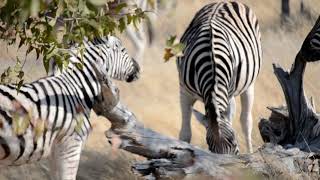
(295,128)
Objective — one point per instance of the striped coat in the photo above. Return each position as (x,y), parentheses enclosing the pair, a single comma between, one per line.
(221,60)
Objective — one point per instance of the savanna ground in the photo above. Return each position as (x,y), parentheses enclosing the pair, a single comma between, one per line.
(155,97)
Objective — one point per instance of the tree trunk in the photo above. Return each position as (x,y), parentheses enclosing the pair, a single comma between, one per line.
(296,128)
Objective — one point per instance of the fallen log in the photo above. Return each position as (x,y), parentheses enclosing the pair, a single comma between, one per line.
(168,157)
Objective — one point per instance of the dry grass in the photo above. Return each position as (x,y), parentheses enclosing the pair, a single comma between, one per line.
(155,98)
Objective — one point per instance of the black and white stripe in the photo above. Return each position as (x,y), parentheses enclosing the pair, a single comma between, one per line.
(57,108)
(221,60)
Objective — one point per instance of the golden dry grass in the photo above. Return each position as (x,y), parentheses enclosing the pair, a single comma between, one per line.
(155,97)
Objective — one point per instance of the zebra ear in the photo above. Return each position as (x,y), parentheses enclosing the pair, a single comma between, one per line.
(201,118)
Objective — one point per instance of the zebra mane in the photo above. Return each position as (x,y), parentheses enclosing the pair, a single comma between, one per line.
(97,41)
(100,40)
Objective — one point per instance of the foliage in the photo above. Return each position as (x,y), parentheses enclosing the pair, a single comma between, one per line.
(13,74)
(173,49)
(50,27)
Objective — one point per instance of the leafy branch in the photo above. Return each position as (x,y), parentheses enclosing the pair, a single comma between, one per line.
(173,49)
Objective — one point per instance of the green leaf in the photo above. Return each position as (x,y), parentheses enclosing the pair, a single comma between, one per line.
(21,74)
(120,7)
(170,41)
(53,50)
(129,19)
(136,21)
(19,84)
(178,48)
(98,2)
(59,11)
(122,24)
(173,49)
(52,22)
(59,61)
(167,54)
(66,61)
(46,63)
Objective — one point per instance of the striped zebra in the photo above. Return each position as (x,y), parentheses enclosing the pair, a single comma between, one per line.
(50,117)
(221,60)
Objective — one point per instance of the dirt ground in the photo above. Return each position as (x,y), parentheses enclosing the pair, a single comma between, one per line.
(155,97)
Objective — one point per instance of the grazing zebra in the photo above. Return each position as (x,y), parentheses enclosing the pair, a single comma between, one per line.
(221,60)
(50,117)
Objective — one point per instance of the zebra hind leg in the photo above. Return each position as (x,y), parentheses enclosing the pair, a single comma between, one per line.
(231,109)
(64,160)
(246,116)
(186,103)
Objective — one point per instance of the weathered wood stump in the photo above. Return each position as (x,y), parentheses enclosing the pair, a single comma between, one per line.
(295,129)
(298,124)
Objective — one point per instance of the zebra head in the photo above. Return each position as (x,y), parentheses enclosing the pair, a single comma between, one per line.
(220,137)
(115,60)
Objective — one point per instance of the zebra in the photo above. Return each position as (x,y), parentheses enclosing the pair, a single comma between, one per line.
(221,59)
(143,35)
(49,118)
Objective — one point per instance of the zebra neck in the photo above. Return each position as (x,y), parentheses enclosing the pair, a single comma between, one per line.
(83,82)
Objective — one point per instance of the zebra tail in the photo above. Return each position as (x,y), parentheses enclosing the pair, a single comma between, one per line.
(213,123)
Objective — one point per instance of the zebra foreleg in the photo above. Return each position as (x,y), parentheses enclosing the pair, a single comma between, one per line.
(246,116)
(186,103)
(64,160)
